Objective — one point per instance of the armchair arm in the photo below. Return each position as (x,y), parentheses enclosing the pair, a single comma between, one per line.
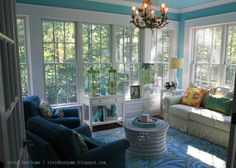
(84,130)
(70,122)
(107,152)
(171,100)
(70,112)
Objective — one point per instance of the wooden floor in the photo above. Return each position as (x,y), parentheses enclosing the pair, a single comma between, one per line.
(106,127)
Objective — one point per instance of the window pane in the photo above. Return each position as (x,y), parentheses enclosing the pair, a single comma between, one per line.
(207,47)
(96,49)
(127,57)
(207,55)
(119,44)
(135,45)
(49,52)
(229,76)
(22,56)
(231,57)
(60,62)
(206,75)
(70,52)
(50,81)
(161,45)
(47,31)
(70,32)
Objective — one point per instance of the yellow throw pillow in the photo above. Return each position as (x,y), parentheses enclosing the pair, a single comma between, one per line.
(193,96)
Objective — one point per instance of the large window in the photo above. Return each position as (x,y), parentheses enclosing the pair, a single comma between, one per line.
(59,61)
(230,57)
(207,55)
(127,57)
(161,51)
(23,56)
(96,49)
(214,63)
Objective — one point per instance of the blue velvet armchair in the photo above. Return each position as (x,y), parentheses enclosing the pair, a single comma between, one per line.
(31,109)
(55,146)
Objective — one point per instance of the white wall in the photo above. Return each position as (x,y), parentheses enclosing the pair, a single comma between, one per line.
(34,15)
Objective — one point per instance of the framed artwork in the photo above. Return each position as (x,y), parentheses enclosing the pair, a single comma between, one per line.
(135,92)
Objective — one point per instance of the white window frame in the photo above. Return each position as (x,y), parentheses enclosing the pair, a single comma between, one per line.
(76,58)
(223,55)
(138,63)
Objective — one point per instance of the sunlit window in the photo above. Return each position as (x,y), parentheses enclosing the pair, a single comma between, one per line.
(127,58)
(23,56)
(59,53)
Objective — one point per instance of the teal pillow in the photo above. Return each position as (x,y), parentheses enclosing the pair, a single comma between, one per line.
(220,104)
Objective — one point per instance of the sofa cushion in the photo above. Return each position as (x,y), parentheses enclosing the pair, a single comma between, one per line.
(220,104)
(229,94)
(45,109)
(31,106)
(223,123)
(206,95)
(62,138)
(203,116)
(181,110)
(220,91)
(193,96)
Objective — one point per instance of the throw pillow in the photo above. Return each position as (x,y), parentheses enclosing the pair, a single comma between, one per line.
(45,109)
(206,95)
(220,104)
(57,113)
(193,96)
(80,140)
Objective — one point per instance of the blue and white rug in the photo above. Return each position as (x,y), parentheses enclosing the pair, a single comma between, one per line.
(183,151)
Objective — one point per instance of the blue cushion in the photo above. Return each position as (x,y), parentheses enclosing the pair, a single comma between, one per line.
(62,138)
(70,122)
(31,106)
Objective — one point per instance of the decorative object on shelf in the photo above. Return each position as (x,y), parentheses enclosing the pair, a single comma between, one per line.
(103,87)
(170,85)
(135,92)
(111,112)
(145,17)
(98,117)
(147,73)
(93,82)
(112,81)
(175,63)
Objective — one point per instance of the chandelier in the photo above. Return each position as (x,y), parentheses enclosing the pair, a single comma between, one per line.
(145,17)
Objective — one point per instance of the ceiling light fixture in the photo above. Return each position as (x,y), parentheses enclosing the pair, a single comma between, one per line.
(145,17)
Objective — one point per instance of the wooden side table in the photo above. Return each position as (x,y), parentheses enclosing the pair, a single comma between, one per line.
(171,92)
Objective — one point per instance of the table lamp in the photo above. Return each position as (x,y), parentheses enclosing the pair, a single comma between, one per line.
(175,63)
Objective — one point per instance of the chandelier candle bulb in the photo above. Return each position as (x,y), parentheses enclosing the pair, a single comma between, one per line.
(163,5)
(145,5)
(133,8)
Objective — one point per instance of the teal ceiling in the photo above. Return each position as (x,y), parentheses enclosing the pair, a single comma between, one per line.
(180,4)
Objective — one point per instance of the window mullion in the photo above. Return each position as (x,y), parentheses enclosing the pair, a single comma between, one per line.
(222,68)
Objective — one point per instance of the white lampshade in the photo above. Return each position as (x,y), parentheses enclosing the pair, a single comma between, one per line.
(176,63)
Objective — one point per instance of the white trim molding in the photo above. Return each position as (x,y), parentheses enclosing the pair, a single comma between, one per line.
(130,4)
(172,10)
(205,5)
(211,20)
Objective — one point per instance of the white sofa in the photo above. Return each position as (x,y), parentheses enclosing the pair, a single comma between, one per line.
(200,122)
